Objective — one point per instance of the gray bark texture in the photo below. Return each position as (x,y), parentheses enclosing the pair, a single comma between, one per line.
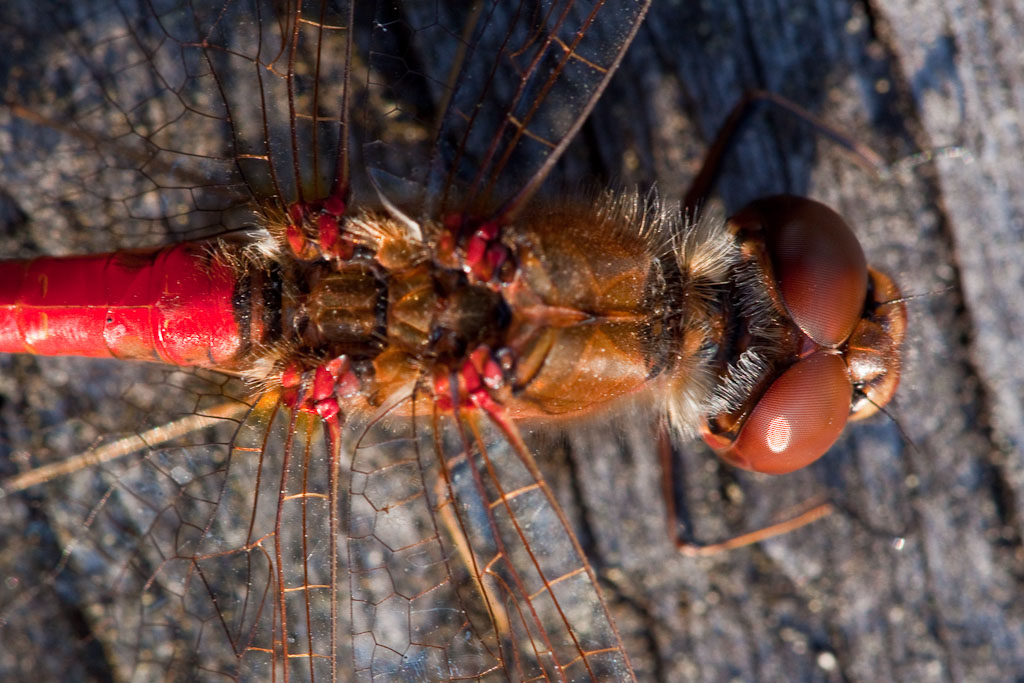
(917,575)
(839,600)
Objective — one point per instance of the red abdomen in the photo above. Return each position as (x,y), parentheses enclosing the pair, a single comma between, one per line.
(173,305)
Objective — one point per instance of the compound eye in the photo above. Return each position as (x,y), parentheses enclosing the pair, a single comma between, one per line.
(818,264)
(797,419)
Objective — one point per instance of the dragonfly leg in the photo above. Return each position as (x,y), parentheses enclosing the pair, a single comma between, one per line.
(321,389)
(476,248)
(472,384)
(314,230)
(782,528)
(705,179)
(813,512)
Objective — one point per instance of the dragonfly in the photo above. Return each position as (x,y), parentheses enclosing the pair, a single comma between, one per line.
(369,481)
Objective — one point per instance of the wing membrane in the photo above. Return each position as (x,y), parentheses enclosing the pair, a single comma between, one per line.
(125,113)
(527,74)
(527,560)
(129,529)
(454,511)
(209,106)
(409,611)
(266,568)
(282,74)
(217,554)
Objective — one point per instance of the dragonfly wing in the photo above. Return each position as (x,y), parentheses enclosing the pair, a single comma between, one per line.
(409,605)
(456,517)
(127,524)
(263,579)
(118,111)
(208,106)
(500,106)
(282,75)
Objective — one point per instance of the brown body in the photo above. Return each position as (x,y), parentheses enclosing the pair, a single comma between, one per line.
(583,319)
(441,540)
(586,304)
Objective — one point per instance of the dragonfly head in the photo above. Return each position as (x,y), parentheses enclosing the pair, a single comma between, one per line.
(834,350)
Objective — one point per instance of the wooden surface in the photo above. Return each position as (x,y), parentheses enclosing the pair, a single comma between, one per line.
(917,579)
(840,600)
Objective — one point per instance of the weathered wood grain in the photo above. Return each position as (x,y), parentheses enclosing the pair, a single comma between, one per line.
(917,579)
(839,600)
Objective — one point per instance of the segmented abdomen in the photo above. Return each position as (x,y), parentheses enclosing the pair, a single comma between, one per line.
(173,305)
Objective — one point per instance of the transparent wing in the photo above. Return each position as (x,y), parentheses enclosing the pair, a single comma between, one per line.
(282,75)
(138,123)
(263,575)
(210,551)
(497,94)
(214,550)
(101,559)
(450,513)
(166,119)
(409,615)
